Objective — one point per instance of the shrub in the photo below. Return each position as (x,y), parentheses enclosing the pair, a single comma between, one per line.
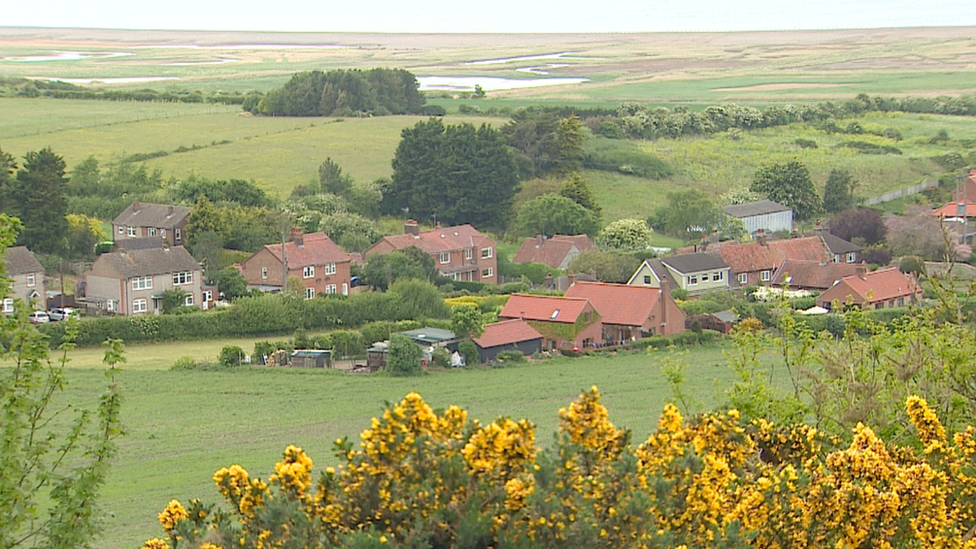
(513,356)
(469,351)
(403,356)
(441,357)
(231,355)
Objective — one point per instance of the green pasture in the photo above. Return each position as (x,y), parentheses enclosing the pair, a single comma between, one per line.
(182,426)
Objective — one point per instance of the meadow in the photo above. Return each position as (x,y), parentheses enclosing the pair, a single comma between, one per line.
(181,426)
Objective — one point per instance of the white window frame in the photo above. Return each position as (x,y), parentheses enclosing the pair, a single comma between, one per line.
(162,233)
(183,278)
(178,234)
(766,275)
(188,300)
(487,253)
(444,257)
(31,280)
(110,306)
(487,272)
(121,229)
(330,268)
(130,231)
(309,293)
(693,280)
(264,273)
(345,288)
(469,253)
(208,295)
(851,257)
(716,276)
(8,305)
(308,272)
(743,278)
(330,289)
(142,283)
(138,306)
(152,231)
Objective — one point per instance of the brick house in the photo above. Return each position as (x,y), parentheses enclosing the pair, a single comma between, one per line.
(164,221)
(26,276)
(631,312)
(314,258)
(881,289)
(564,322)
(460,252)
(756,263)
(556,251)
(813,275)
(129,282)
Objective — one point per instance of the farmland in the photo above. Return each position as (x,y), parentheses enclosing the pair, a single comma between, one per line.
(183,425)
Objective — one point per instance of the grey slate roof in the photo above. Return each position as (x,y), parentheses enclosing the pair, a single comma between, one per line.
(662,272)
(750,209)
(429,335)
(694,263)
(125,264)
(151,215)
(838,245)
(19,260)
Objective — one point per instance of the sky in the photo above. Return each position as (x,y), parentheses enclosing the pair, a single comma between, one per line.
(494,16)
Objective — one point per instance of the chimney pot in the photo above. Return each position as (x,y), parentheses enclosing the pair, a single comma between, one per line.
(297,236)
(135,205)
(411,227)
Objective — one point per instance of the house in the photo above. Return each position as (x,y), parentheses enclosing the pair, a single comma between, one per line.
(764,215)
(631,312)
(129,282)
(564,322)
(460,252)
(556,252)
(507,335)
(814,275)
(881,289)
(696,273)
(164,221)
(756,263)
(26,275)
(313,258)
(841,250)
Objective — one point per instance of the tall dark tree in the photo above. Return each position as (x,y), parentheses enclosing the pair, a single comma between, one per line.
(460,174)
(7,168)
(788,184)
(579,192)
(859,225)
(331,179)
(37,197)
(839,191)
(546,143)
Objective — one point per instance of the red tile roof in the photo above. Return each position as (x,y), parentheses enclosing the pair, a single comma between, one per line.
(445,239)
(618,303)
(316,249)
(506,332)
(544,307)
(952,210)
(880,285)
(552,251)
(745,258)
(813,275)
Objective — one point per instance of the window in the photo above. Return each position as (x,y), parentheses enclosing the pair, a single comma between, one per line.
(717,276)
(264,272)
(836,258)
(138,306)
(743,278)
(851,257)
(309,293)
(647,280)
(131,231)
(31,280)
(330,268)
(766,276)
(693,280)
(188,300)
(121,229)
(455,276)
(142,283)
(110,305)
(207,295)
(345,288)
(330,289)
(486,253)
(308,272)
(469,253)
(587,316)
(554,314)
(444,257)
(8,305)
(182,278)
(162,233)
(152,231)
(487,273)
(177,234)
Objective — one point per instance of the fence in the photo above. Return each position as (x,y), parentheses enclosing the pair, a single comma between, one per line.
(901,193)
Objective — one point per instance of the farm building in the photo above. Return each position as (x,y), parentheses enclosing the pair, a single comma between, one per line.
(564,322)
(507,335)
(764,215)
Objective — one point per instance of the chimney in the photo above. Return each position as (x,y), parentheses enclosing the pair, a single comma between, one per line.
(169,211)
(818,227)
(663,299)
(761,237)
(437,224)
(135,205)
(297,237)
(541,238)
(411,227)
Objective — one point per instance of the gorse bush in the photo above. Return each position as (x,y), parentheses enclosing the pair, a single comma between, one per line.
(426,478)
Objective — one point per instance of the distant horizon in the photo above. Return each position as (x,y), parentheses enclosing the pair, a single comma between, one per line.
(498,17)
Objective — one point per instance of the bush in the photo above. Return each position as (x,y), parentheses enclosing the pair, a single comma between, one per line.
(403,356)
(469,351)
(513,356)
(441,357)
(805,143)
(231,355)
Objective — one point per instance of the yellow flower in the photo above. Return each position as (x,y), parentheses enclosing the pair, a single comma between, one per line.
(155,543)
(173,513)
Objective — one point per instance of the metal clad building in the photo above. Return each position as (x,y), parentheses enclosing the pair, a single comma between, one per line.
(764,214)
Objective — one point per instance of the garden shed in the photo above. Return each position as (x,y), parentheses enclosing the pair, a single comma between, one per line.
(311,358)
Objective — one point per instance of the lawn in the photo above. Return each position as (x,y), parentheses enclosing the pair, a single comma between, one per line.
(182,426)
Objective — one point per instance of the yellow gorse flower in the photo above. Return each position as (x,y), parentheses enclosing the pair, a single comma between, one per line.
(173,513)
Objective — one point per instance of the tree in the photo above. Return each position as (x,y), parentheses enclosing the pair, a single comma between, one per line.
(54,458)
(230,283)
(577,190)
(546,143)
(403,356)
(381,271)
(83,234)
(331,179)
(687,211)
(204,218)
(839,191)
(173,299)
(461,174)
(419,299)
(918,232)
(38,200)
(860,225)
(467,321)
(788,184)
(625,234)
(552,214)
(609,266)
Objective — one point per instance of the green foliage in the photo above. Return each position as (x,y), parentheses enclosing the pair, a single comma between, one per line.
(441,357)
(687,213)
(577,190)
(173,299)
(805,143)
(231,355)
(534,272)
(513,356)
(383,270)
(545,142)
(344,93)
(37,198)
(788,184)
(230,283)
(418,299)
(467,321)
(552,214)
(225,192)
(839,191)
(609,266)
(331,179)
(625,235)
(461,174)
(613,155)
(469,351)
(403,356)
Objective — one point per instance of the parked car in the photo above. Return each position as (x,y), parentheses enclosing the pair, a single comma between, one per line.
(39,317)
(62,314)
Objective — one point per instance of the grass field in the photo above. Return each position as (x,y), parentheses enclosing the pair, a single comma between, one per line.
(182,426)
